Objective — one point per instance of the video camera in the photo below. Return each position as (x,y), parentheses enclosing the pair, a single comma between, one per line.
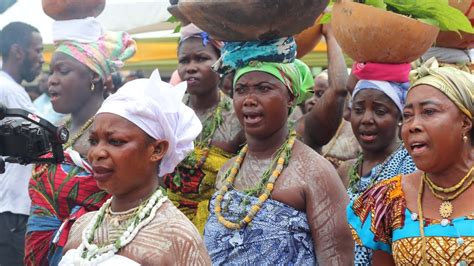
(25,142)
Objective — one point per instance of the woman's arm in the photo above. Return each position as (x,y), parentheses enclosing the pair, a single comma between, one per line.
(322,122)
(382,258)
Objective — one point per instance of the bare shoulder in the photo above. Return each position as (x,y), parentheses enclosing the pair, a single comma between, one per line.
(308,163)
(75,235)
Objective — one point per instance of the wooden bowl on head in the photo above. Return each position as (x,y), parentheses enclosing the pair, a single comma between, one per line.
(245,20)
(369,34)
(73,9)
(451,39)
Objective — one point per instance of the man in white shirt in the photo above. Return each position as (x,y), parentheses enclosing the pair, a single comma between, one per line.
(21,47)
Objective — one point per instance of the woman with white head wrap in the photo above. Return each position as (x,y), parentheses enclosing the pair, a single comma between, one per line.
(142,131)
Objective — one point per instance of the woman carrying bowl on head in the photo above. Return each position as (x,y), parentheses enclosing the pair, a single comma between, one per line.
(375,116)
(278,201)
(426,217)
(141,132)
(61,193)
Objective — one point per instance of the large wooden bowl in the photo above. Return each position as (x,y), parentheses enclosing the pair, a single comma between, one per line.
(72,9)
(244,20)
(452,39)
(308,39)
(369,34)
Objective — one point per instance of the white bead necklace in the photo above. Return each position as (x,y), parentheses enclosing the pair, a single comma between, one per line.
(90,254)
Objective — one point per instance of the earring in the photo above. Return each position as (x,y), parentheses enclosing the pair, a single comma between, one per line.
(92,86)
(465,138)
(400,124)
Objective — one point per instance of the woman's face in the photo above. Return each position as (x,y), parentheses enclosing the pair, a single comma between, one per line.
(69,83)
(195,62)
(261,103)
(433,128)
(123,157)
(374,120)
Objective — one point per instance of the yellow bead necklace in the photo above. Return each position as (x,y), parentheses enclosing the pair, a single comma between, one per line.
(232,173)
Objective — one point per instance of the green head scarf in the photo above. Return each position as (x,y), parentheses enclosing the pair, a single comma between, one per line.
(295,76)
(457,85)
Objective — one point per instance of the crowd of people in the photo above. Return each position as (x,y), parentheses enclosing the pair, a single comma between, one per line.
(244,158)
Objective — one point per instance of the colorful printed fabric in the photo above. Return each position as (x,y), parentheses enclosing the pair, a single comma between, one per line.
(190,188)
(295,76)
(105,56)
(278,235)
(380,220)
(400,162)
(237,55)
(58,197)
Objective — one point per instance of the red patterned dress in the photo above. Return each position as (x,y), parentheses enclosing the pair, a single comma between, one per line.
(60,195)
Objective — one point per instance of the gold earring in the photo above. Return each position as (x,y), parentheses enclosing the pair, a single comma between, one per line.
(92,86)
(465,138)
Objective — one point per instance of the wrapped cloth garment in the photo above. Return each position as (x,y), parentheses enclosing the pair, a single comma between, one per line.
(169,239)
(278,235)
(399,162)
(190,187)
(380,220)
(59,196)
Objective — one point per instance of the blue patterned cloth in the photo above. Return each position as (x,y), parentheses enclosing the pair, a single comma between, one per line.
(400,162)
(236,55)
(278,235)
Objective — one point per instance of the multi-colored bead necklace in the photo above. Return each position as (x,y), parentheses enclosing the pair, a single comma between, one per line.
(355,172)
(210,126)
(68,144)
(283,159)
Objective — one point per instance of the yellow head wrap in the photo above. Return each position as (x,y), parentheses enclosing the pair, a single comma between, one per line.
(457,85)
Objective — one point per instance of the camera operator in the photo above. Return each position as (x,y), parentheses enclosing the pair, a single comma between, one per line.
(21,47)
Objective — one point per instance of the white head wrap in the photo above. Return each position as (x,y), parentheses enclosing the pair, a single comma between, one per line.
(157,108)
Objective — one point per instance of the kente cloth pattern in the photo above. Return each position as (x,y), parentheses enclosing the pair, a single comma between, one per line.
(278,235)
(235,55)
(104,56)
(400,162)
(169,239)
(195,187)
(380,220)
(60,195)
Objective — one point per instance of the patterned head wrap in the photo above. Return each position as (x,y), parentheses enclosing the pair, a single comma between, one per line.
(397,92)
(295,76)
(104,56)
(237,55)
(457,85)
(157,108)
(192,31)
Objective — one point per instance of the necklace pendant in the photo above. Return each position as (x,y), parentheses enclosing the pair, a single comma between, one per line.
(446,209)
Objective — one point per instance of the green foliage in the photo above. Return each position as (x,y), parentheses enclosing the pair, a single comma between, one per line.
(434,12)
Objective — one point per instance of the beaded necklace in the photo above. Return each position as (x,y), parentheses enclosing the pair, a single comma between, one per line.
(210,126)
(267,183)
(90,253)
(354,176)
(68,144)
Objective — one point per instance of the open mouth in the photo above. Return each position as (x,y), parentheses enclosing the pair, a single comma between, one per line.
(417,147)
(252,118)
(368,136)
(54,95)
(192,80)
